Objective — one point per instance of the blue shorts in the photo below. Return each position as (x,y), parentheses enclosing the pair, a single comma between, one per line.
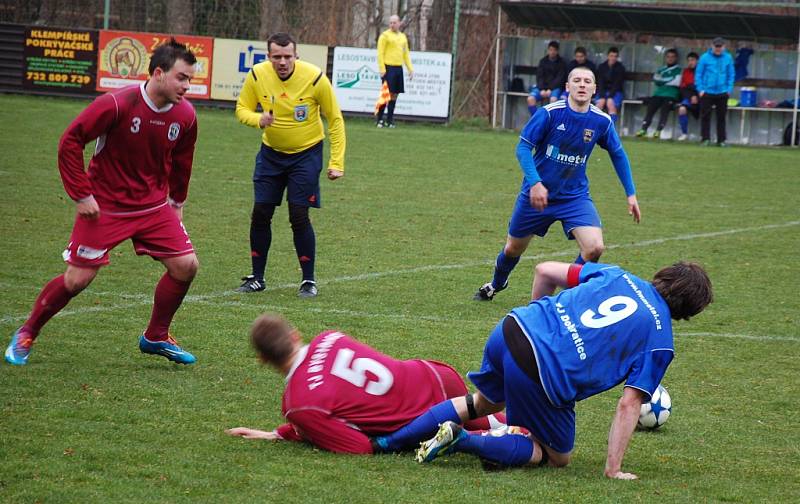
(298,173)
(537,93)
(526,220)
(394,79)
(501,380)
(617,98)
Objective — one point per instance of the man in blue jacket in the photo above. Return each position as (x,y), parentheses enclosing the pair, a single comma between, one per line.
(714,82)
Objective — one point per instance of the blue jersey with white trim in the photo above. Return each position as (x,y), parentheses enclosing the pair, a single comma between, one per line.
(563,140)
(612,327)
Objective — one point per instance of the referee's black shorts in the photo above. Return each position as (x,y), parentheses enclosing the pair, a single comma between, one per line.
(394,79)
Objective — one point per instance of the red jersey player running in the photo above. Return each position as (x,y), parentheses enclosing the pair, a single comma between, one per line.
(135,187)
(339,392)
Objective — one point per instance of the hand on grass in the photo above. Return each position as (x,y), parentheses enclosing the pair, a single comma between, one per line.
(248,433)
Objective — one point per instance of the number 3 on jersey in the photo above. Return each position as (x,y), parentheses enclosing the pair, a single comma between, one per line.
(135,124)
(355,372)
(609,316)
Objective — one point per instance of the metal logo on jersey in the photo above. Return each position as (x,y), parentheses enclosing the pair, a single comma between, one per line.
(588,135)
(301,112)
(174,131)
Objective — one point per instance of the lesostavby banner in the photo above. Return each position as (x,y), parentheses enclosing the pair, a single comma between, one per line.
(124,58)
(58,59)
(234,58)
(357,82)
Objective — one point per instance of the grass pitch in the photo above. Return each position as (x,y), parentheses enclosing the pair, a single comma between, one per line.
(404,240)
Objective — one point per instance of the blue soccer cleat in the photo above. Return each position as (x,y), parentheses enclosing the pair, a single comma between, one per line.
(168,348)
(19,348)
(443,443)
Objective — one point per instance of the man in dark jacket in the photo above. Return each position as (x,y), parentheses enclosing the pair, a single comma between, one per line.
(610,81)
(551,75)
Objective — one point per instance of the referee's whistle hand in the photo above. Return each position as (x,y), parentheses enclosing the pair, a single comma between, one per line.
(538,196)
(267,118)
(334,174)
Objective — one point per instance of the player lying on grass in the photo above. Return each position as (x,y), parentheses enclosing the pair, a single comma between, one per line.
(606,327)
(339,392)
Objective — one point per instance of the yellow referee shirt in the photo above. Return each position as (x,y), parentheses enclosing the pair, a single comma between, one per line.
(296,104)
(393,50)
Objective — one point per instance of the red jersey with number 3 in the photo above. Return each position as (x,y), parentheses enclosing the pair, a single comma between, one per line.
(339,391)
(143,154)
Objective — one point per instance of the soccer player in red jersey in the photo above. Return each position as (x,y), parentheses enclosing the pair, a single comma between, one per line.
(135,188)
(339,392)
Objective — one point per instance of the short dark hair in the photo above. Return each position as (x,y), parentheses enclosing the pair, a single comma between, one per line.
(693,55)
(553,43)
(580,49)
(672,50)
(614,49)
(271,336)
(166,54)
(685,287)
(282,39)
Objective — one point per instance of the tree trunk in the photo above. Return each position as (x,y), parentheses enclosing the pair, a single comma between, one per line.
(272,18)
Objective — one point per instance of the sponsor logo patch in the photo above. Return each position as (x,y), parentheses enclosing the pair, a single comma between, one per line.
(90,253)
(301,113)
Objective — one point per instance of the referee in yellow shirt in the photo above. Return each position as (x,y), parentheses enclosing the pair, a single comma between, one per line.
(292,94)
(392,53)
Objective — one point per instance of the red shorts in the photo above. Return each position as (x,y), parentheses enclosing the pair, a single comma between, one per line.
(452,383)
(155,232)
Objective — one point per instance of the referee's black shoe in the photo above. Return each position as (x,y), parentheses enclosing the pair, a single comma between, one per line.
(251,284)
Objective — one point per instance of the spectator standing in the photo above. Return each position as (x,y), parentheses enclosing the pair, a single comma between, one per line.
(714,81)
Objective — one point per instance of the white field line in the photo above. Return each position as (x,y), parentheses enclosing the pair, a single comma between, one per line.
(144,299)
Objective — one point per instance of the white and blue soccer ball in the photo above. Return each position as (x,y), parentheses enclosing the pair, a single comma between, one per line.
(656,412)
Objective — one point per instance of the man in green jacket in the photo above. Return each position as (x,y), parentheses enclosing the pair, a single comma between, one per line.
(667,80)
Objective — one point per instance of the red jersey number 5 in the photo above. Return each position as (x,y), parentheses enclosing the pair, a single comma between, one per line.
(355,372)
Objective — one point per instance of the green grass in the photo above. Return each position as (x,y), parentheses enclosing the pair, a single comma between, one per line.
(404,240)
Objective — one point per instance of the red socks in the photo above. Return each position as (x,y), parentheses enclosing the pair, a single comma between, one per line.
(166,301)
(51,300)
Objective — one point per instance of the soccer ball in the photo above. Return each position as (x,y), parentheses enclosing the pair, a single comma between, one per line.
(655,412)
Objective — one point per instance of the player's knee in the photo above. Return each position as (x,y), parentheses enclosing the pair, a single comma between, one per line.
(299,218)
(183,268)
(76,279)
(682,110)
(514,248)
(531,101)
(593,251)
(262,214)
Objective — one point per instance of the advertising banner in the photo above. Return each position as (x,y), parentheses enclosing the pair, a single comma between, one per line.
(59,60)
(357,82)
(124,57)
(234,58)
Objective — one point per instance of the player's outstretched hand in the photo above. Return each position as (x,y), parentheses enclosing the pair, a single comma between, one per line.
(252,433)
(88,208)
(334,174)
(633,209)
(621,475)
(538,195)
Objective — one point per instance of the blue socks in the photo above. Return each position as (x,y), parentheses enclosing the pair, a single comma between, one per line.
(532,109)
(684,122)
(508,450)
(420,429)
(614,118)
(580,259)
(502,268)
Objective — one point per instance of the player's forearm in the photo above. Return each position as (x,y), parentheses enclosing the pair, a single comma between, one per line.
(70,166)
(407,59)
(247,116)
(338,143)
(621,432)
(622,166)
(525,157)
